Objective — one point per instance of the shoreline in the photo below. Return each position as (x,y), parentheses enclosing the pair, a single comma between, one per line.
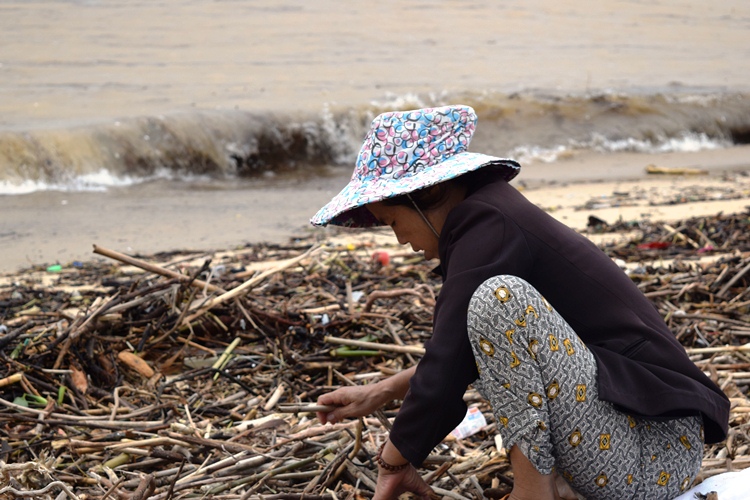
(48,228)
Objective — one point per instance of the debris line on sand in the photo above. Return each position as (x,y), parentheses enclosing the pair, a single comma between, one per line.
(193,375)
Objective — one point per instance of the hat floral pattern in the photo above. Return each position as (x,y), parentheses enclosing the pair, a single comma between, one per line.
(405,151)
(404,142)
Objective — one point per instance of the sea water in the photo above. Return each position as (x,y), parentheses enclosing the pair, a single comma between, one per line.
(96,94)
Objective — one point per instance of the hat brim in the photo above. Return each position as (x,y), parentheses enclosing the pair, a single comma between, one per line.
(348,208)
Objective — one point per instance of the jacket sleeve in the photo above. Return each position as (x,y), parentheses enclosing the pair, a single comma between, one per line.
(476,243)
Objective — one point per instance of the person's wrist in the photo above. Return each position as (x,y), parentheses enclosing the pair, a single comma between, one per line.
(389,462)
(387,391)
(397,386)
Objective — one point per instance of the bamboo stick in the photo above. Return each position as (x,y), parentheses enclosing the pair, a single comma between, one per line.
(300,408)
(246,286)
(224,358)
(734,280)
(406,349)
(155,269)
(16,377)
(713,350)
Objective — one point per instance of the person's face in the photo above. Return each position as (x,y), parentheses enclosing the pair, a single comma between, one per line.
(408,226)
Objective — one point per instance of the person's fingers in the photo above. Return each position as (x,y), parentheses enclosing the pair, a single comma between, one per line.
(335,398)
(391,484)
(350,402)
(420,487)
(426,492)
(348,410)
(429,495)
(329,398)
(332,418)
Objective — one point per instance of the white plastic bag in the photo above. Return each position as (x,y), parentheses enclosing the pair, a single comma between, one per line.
(728,486)
(471,424)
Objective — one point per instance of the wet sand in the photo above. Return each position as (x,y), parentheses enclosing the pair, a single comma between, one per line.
(60,228)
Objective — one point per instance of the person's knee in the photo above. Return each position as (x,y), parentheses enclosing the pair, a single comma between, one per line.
(503,287)
(504,301)
(493,300)
(490,284)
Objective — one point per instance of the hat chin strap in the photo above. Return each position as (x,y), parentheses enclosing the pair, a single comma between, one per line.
(419,211)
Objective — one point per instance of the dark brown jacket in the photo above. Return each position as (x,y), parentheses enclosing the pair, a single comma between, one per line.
(496,230)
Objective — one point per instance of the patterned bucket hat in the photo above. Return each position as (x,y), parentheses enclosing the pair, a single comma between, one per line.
(405,151)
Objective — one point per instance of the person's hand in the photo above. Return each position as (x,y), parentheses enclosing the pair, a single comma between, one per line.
(392,484)
(361,400)
(355,401)
(394,480)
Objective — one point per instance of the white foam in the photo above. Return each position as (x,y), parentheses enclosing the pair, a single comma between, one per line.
(399,101)
(530,154)
(687,143)
(92,182)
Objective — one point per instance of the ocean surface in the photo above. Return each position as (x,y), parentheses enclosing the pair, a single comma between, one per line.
(96,94)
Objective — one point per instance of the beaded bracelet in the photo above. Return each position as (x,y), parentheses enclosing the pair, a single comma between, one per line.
(382,463)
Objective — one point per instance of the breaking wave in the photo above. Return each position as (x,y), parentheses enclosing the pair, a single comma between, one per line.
(529,126)
(688,143)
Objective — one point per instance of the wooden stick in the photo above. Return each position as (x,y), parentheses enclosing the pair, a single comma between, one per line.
(734,280)
(219,365)
(16,377)
(274,397)
(398,341)
(247,285)
(711,350)
(321,310)
(155,269)
(38,493)
(145,488)
(383,294)
(403,349)
(301,408)
(676,232)
(13,335)
(653,169)
(287,466)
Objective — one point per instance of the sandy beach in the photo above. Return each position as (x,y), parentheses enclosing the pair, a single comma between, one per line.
(59,228)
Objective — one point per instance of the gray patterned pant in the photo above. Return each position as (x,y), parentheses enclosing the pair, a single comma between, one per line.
(540,379)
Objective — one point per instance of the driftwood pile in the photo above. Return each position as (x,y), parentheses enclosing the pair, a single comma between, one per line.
(192,375)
